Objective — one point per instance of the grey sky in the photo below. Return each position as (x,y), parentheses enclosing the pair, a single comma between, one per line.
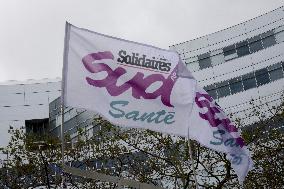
(32,31)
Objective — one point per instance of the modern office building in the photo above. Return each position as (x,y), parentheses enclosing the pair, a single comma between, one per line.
(26,105)
(241,63)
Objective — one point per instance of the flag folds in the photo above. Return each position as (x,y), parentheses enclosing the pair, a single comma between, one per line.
(128,83)
(141,86)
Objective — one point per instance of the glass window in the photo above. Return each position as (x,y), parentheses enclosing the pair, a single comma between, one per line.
(223,89)
(249,81)
(230,52)
(204,61)
(211,90)
(279,37)
(268,39)
(262,76)
(267,34)
(255,44)
(217,57)
(242,48)
(236,85)
(193,66)
(275,72)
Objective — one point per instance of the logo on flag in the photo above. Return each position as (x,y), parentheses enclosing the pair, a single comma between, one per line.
(138,84)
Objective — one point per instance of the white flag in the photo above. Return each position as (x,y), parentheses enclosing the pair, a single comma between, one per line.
(128,83)
(141,86)
(210,126)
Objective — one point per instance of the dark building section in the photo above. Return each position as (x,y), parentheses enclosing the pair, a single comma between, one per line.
(37,126)
(247,81)
(74,120)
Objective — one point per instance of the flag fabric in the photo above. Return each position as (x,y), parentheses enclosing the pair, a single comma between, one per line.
(141,86)
(210,126)
(129,84)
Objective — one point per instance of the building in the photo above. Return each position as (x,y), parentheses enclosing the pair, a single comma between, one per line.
(74,119)
(240,63)
(26,105)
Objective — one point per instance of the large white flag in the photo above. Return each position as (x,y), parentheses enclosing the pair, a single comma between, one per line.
(128,83)
(141,86)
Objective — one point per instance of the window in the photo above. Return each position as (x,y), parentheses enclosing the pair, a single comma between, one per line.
(223,89)
(230,52)
(242,48)
(268,39)
(37,126)
(204,61)
(217,57)
(192,64)
(211,90)
(262,76)
(249,81)
(275,72)
(255,44)
(236,85)
(279,34)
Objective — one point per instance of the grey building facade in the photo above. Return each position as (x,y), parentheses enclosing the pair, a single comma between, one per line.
(241,63)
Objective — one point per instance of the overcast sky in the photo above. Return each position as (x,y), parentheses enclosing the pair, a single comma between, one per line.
(32,31)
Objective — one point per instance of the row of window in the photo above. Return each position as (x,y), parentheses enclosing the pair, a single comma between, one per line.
(7,106)
(37,92)
(237,50)
(247,81)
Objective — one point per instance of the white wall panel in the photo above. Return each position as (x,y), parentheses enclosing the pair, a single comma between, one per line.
(179,47)
(36,98)
(271,88)
(11,89)
(233,68)
(261,21)
(53,95)
(196,44)
(204,75)
(4,135)
(265,28)
(268,56)
(53,86)
(11,99)
(197,52)
(38,87)
(8,113)
(233,34)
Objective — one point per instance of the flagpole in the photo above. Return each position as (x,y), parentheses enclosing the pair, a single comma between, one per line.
(62,136)
(66,39)
(192,162)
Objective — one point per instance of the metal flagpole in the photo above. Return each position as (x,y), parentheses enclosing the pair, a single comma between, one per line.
(191,158)
(66,47)
(62,136)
